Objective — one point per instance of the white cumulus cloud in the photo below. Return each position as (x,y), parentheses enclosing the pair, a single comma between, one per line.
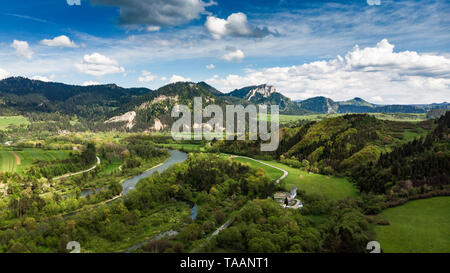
(60,41)
(98,65)
(376,99)
(374,2)
(90,83)
(3,73)
(74,2)
(235,25)
(146,77)
(177,78)
(210,66)
(153,28)
(41,78)
(234,56)
(22,49)
(375,73)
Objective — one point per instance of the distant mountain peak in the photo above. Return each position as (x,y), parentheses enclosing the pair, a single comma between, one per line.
(252,93)
(268,95)
(210,88)
(264,90)
(320,105)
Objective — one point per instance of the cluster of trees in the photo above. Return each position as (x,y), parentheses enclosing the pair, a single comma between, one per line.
(262,226)
(246,148)
(221,189)
(424,163)
(203,178)
(25,196)
(218,187)
(52,234)
(87,158)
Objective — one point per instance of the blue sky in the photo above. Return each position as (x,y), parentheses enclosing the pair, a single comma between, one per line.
(384,51)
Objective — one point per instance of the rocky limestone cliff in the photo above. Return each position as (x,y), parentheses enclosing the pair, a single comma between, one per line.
(263,90)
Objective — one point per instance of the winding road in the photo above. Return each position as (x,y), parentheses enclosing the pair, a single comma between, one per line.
(80,172)
(285,173)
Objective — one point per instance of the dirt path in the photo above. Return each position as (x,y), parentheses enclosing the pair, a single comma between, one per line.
(18,162)
(77,173)
(285,173)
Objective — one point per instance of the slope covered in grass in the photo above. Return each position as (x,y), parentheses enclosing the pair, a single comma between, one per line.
(417,226)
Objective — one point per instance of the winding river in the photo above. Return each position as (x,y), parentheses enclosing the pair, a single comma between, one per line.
(130,184)
(175,157)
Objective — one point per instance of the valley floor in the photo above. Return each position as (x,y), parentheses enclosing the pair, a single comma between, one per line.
(418,226)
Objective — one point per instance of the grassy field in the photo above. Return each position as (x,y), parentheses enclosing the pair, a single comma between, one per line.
(401,117)
(186,147)
(15,120)
(111,167)
(333,188)
(273,173)
(8,162)
(417,226)
(317,117)
(18,161)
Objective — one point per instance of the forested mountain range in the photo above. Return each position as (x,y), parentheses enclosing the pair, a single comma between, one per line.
(325,105)
(21,96)
(138,109)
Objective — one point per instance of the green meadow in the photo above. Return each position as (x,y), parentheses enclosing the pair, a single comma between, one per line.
(332,188)
(18,161)
(8,162)
(418,226)
(14,120)
(272,173)
(317,117)
(183,146)
(109,168)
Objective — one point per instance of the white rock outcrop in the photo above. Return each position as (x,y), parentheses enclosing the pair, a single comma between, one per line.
(159,99)
(158,126)
(264,90)
(127,117)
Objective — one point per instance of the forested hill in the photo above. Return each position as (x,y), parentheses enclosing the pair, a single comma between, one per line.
(152,111)
(266,94)
(325,105)
(337,145)
(343,143)
(24,96)
(421,164)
